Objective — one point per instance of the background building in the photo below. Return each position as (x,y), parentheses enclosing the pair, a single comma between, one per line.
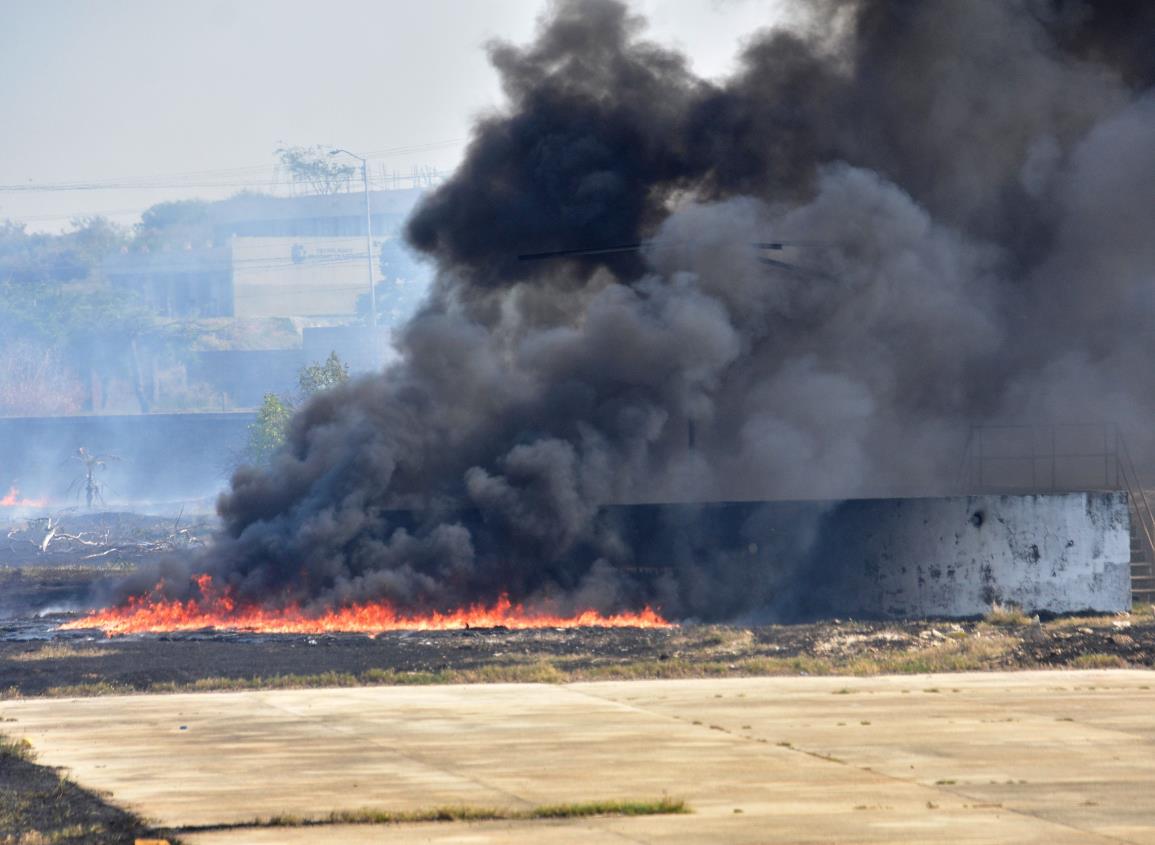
(265,256)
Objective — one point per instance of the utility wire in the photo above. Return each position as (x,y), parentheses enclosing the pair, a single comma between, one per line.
(54,187)
(219,177)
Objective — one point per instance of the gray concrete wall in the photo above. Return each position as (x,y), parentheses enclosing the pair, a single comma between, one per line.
(878,558)
(955,556)
(246,375)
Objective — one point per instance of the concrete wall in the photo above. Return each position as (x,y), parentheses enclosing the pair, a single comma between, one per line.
(953,557)
(859,558)
(246,375)
(872,558)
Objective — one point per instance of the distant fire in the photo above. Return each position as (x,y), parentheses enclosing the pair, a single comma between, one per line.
(13,500)
(217,609)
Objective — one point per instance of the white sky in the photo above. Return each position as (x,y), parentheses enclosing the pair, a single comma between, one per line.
(147,90)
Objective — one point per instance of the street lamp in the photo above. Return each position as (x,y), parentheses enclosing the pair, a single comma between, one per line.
(368,232)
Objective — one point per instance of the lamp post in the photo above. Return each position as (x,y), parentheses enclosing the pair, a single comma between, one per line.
(368,233)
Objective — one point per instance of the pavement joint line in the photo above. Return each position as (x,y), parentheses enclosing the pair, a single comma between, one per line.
(1106,837)
(934,789)
(783,711)
(738,738)
(263,697)
(940,789)
(600,824)
(396,750)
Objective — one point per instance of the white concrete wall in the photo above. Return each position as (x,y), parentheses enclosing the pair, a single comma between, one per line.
(953,556)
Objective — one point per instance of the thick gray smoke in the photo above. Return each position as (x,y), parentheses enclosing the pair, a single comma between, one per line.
(971,184)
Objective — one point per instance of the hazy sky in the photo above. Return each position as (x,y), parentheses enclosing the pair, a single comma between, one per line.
(192,98)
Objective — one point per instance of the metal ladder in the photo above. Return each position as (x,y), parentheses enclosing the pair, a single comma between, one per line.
(1142,528)
(1038,465)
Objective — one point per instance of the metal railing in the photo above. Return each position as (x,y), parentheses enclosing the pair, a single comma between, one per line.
(1056,458)
(1140,504)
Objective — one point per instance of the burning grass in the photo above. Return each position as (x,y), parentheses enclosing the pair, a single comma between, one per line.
(216,608)
(206,661)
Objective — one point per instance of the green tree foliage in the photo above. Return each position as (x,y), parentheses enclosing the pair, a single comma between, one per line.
(317,377)
(315,170)
(75,255)
(179,222)
(90,329)
(267,431)
(54,300)
(35,381)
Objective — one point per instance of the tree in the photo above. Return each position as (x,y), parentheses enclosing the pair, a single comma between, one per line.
(267,432)
(52,296)
(35,381)
(177,222)
(71,256)
(317,377)
(92,330)
(88,482)
(313,168)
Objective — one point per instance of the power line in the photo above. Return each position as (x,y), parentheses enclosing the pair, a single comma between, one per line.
(37,218)
(423,176)
(220,177)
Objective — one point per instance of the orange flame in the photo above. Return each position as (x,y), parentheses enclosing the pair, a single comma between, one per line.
(13,500)
(217,609)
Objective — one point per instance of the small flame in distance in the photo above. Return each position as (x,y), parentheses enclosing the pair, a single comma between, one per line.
(216,609)
(12,500)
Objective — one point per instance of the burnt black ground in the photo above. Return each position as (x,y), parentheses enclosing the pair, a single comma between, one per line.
(94,664)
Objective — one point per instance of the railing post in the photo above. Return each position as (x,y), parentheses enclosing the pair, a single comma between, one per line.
(980,459)
(1106,459)
(1034,459)
(1054,451)
(1118,481)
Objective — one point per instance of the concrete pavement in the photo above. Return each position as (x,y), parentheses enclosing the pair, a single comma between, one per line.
(1049,757)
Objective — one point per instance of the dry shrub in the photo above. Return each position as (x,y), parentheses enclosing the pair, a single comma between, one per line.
(1007,615)
(35,381)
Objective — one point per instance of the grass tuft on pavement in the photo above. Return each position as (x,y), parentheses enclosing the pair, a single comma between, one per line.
(459,813)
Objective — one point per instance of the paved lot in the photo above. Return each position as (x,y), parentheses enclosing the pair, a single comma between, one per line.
(1049,757)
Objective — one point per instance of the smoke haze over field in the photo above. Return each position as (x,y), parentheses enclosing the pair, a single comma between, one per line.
(972,181)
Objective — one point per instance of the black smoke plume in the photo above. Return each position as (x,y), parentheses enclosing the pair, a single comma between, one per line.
(969,186)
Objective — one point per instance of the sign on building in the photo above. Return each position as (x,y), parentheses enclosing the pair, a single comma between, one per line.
(300,276)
